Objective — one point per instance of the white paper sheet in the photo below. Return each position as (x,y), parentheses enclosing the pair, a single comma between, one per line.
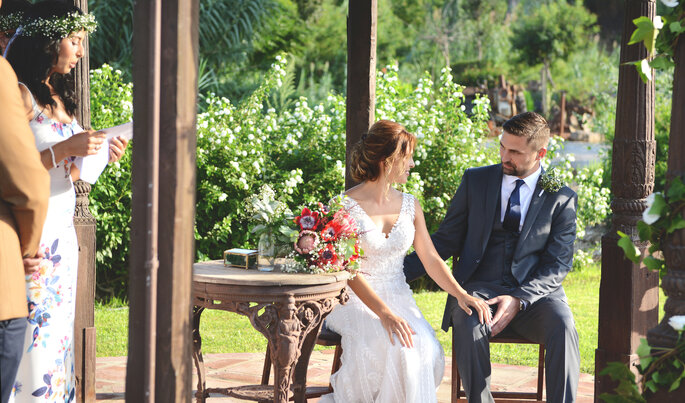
(92,166)
(125,130)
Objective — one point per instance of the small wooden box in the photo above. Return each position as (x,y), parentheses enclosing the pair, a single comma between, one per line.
(241,258)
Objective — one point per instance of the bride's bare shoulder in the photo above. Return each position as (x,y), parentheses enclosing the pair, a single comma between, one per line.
(355,192)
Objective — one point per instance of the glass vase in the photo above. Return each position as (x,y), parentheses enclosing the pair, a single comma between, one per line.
(267,252)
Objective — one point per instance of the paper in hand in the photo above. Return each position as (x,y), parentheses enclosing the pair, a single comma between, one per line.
(92,166)
(125,130)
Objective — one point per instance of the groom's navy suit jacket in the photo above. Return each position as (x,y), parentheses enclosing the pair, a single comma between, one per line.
(543,254)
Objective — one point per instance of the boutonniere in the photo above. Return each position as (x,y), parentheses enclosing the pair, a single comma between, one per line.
(550,182)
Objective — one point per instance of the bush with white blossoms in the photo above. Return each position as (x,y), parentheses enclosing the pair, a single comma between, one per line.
(300,153)
(110,198)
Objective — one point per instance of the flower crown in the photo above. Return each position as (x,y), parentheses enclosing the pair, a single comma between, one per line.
(11,21)
(60,27)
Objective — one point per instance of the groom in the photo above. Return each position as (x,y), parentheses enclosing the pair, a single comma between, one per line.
(512,242)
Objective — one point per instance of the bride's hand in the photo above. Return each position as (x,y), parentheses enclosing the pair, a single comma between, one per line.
(481,307)
(394,324)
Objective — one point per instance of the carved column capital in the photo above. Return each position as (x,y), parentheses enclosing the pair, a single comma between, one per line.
(82,215)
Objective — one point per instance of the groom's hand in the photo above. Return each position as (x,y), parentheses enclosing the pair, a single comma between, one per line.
(507,308)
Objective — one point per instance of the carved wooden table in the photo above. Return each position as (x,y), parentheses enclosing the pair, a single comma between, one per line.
(288,309)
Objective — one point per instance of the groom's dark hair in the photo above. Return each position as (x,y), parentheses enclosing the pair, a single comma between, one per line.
(531,126)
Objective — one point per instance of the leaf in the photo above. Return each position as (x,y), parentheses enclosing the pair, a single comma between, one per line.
(659,205)
(676,189)
(651,385)
(258,228)
(676,28)
(645,32)
(629,249)
(644,351)
(643,70)
(662,62)
(675,385)
(644,230)
(653,263)
(617,371)
(676,224)
(53,249)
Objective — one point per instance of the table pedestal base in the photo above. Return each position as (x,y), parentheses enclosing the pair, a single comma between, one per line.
(290,321)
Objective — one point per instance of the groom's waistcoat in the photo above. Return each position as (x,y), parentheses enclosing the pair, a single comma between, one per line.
(495,266)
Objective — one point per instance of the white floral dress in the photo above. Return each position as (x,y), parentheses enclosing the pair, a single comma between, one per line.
(46,372)
(374,370)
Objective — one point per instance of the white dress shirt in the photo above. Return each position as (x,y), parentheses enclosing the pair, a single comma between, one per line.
(525,192)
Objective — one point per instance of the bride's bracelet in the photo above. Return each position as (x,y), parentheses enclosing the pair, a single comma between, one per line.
(52,154)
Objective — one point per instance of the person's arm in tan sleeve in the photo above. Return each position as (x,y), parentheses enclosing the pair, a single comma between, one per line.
(24,182)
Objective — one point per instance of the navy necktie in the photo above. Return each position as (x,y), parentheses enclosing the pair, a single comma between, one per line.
(512,217)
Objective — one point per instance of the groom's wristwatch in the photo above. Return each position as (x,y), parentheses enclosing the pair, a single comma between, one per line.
(522,305)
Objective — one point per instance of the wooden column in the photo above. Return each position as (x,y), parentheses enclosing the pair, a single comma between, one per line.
(361,73)
(84,223)
(165,101)
(140,373)
(628,296)
(673,283)
(179,63)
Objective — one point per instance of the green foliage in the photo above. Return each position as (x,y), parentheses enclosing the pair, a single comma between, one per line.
(661,369)
(554,30)
(299,151)
(110,198)
(626,391)
(659,36)
(662,217)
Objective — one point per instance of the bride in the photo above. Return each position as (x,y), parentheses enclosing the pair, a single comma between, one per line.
(390,353)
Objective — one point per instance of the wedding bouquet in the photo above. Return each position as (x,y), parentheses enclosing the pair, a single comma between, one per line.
(327,240)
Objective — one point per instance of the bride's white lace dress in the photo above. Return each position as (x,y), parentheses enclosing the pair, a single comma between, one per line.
(374,370)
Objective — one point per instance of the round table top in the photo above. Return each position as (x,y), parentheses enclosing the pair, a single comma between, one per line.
(215,272)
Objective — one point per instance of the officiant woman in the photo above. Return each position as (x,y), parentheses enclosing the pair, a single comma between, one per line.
(43,55)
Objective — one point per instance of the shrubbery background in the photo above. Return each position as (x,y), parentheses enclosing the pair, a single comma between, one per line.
(299,150)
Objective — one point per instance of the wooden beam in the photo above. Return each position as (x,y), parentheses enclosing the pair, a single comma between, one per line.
(140,374)
(361,73)
(628,293)
(84,223)
(177,199)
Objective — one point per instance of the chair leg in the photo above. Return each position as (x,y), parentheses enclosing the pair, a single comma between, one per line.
(336,363)
(456,378)
(541,370)
(266,371)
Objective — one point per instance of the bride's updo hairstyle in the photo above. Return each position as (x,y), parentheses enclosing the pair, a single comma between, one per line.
(386,142)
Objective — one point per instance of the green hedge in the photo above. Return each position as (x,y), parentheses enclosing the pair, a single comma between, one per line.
(300,152)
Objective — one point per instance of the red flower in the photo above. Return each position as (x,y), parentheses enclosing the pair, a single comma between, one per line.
(327,255)
(308,219)
(346,222)
(331,231)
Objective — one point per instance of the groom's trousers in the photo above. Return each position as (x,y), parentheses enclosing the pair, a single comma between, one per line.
(547,321)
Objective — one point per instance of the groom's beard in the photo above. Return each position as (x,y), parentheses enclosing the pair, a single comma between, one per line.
(510,169)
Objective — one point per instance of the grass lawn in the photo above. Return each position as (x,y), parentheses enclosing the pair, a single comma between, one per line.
(224,332)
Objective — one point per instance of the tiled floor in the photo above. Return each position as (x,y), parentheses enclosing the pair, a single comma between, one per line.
(226,370)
